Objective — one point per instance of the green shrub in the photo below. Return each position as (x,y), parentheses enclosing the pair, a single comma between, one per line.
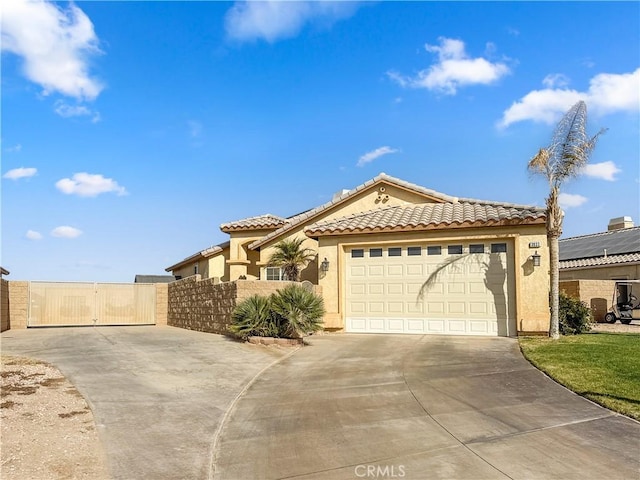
(575,315)
(253,317)
(290,313)
(299,311)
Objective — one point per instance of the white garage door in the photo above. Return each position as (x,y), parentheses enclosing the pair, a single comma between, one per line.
(473,295)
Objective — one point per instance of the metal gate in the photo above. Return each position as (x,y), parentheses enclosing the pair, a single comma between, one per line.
(76,304)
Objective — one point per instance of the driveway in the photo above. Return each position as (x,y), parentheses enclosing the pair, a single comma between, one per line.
(158,394)
(420,407)
(176,404)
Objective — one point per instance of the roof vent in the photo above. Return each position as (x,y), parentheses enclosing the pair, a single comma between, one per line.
(339,193)
(620,223)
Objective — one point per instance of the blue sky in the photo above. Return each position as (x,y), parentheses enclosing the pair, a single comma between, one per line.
(132,130)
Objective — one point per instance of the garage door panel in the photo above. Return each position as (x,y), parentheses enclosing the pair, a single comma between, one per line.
(395,270)
(395,307)
(468,298)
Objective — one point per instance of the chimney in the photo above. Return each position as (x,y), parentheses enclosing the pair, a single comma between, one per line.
(338,194)
(620,223)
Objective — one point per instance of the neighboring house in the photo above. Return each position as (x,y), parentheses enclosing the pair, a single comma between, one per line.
(154,279)
(610,255)
(378,243)
(3,271)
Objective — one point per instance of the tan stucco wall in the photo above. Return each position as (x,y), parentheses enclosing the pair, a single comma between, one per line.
(531,284)
(4,305)
(162,299)
(241,260)
(613,272)
(598,294)
(214,266)
(18,305)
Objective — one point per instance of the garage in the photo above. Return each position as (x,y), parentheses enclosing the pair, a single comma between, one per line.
(473,292)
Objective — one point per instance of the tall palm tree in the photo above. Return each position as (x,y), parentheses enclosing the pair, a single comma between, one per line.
(291,257)
(561,160)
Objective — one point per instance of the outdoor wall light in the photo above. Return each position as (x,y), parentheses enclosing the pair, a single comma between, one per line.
(536,259)
(324,266)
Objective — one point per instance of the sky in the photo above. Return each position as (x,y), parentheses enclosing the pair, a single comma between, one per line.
(132,130)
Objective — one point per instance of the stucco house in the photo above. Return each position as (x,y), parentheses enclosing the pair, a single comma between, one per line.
(610,255)
(378,243)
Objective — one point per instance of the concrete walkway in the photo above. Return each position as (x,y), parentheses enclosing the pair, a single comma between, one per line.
(158,394)
(419,407)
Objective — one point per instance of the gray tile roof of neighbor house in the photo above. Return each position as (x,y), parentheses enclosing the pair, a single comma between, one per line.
(154,279)
(427,216)
(622,246)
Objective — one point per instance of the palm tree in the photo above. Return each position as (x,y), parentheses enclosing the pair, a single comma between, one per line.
(563,159)
(291,257)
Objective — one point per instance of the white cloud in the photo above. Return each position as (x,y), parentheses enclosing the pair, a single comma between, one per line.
(273,20)
(65,110)
(33,235)
(89,185)
(555,80)
(607,93)
(569,200)
(454,69)
(21,172)
(66,231)
(604,170)
(55,45)
(372,155)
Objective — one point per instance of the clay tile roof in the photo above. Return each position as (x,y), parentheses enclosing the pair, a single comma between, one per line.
(429,215)
(254,223)
(206,253)
(292,222)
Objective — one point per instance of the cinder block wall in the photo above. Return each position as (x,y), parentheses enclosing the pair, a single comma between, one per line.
(18,305)
(4,305)
(598,294)
(206,305)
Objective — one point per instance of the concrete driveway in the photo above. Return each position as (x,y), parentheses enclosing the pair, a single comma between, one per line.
(420,407)
(176,404)
(158,394)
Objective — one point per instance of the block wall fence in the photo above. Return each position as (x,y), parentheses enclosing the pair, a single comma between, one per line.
(206,305)
(597,294)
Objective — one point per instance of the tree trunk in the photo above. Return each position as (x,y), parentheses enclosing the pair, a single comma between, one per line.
(554,273)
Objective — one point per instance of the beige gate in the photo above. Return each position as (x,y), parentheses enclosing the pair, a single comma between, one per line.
(77,304)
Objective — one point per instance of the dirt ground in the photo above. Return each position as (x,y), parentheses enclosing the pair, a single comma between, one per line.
(48,430)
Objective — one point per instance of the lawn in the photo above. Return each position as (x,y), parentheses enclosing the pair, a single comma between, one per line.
(603,367)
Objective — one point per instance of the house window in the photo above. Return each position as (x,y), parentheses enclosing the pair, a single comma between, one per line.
(394,252)
(454,249)
(414,251)
(357,253)
(434,250)
(498,247)
(274,273)
(375,252)
(476,248)
(195,269)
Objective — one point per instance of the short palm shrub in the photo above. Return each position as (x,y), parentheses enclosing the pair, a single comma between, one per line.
(299,311)
(575,316)
(290,313)
(253,317)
